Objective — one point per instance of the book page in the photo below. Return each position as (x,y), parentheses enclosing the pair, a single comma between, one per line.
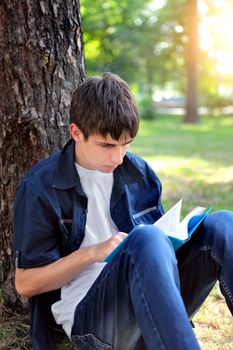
(169,222)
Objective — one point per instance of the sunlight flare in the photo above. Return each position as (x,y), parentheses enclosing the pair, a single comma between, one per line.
(215,34)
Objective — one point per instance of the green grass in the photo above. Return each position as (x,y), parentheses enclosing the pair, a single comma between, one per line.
(194,162)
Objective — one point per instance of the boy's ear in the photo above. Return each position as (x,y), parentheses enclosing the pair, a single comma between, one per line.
(75,132)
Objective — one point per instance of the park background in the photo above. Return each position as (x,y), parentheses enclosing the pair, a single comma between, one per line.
(177,58)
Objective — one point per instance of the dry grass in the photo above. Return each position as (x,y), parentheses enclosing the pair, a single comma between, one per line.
(14,330)
(213,324)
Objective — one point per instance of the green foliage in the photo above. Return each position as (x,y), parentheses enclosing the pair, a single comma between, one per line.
(147,107)
(113,34)
(215,101)
(134,40)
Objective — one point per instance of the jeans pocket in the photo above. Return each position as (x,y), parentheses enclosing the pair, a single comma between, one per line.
(89,342)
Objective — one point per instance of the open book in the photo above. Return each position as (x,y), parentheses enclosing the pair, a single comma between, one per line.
(179,231)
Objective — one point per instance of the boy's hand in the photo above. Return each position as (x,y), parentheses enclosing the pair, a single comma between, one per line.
(101,250)
(37,280)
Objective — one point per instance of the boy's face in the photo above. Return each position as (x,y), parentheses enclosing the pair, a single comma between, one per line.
(98,152)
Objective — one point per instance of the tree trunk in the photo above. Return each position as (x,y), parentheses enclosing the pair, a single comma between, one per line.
(41,53)
(191,115)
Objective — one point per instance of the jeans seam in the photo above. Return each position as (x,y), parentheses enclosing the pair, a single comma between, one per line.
(226,290)
(216,258)
(77,338)
(81,339)
(145,302)
(221,280)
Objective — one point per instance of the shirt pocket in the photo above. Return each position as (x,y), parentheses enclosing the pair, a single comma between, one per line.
(67,225)
(147,216)
(72,235)
(66,230)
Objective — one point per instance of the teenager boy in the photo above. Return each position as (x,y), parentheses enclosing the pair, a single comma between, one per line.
(74,207)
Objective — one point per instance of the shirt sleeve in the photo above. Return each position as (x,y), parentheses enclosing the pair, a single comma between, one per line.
(36,229)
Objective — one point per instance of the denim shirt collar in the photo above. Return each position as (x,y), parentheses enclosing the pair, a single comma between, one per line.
(66,175)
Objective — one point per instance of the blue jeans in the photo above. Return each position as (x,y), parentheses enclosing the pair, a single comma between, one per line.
(146,294)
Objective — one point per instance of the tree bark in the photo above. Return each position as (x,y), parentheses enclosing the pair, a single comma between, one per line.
(191,115)
(41,55)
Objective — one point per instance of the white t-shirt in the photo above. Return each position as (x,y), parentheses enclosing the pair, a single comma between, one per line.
(99,227)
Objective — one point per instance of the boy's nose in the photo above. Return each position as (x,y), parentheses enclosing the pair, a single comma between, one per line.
(117,156)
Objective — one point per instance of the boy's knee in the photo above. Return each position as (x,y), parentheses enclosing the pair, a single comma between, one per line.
(219,225)
(150,248)
(148,239)
(219,219)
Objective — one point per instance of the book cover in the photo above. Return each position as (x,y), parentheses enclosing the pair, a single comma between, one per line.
(179,231)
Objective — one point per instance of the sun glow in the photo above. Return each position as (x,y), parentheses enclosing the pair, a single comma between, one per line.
(215,32)
(157,4)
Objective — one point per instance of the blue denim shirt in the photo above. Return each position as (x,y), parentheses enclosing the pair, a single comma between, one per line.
(50,218)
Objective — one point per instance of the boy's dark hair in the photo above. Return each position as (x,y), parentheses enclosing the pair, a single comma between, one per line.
(104,105)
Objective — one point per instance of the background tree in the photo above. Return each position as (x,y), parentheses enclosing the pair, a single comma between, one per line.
(41,65)
(191,114)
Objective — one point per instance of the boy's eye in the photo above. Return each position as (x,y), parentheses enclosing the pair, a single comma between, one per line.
(106,146)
